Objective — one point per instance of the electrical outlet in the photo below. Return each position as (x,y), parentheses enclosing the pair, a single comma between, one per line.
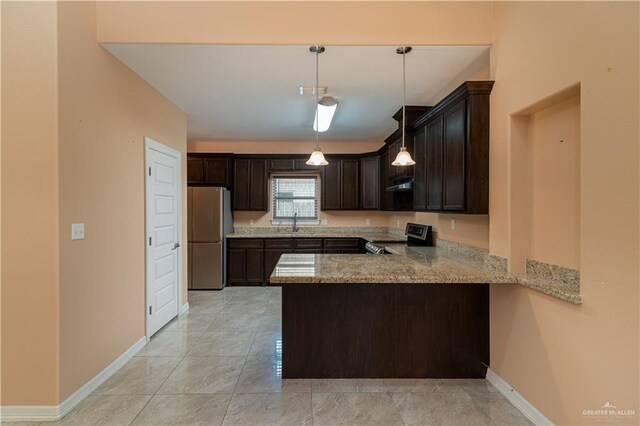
(251,222)
(367,221)
(453,224)
(77,231)
(324,221)
(397,224)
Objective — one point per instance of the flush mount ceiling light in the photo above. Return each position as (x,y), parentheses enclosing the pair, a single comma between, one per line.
(403,158)
(324,113)
(317,157)
(312,90)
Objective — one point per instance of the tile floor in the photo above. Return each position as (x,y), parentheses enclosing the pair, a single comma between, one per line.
(220,364)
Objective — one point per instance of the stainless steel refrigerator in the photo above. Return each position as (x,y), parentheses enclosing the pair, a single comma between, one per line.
(208,222)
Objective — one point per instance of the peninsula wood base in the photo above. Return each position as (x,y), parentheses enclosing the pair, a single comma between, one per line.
(385,330)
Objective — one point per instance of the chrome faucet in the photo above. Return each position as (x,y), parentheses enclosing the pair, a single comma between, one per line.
(295,227)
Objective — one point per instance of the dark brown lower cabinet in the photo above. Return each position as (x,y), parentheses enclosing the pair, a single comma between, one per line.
(385,330)
(245,259)
(250,261)
(273,249)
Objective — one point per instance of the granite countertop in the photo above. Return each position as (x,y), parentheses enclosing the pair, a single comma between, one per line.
(372,235)
(411,265)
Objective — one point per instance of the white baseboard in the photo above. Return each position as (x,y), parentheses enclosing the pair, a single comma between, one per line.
(184,308)
(525,407)
(56,412)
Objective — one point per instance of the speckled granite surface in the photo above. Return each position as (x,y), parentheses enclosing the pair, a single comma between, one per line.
(419,265)
(373,234)
(554,280)
(450,262)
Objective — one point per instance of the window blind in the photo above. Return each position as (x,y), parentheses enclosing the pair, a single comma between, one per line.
(293,194)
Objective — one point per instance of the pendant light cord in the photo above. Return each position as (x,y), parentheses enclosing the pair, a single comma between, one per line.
(404,93)
(316,104)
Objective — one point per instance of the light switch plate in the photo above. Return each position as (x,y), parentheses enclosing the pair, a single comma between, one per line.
(367,221)
(77,231)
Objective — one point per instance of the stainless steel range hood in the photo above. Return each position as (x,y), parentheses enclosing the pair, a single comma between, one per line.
(401,185)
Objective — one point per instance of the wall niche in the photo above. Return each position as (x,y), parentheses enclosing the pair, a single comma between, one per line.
(544,191)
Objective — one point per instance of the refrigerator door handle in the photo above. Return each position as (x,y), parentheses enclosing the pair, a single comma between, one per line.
(175,246)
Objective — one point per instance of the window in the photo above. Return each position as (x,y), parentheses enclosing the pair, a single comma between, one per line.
(295,194)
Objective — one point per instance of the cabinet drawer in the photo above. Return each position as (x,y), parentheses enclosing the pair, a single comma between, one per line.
(278,243)
(330,243)
(309,243)
(236,243)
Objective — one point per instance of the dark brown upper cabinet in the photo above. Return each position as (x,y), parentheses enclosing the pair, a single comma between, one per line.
(282,165)
(455,135)
(434,159)
(251,184)
(289,164)
(370,183)
(209,170)
(340,184)
(420,169)
(195,170)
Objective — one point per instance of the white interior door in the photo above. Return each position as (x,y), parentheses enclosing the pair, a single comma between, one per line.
(163,234)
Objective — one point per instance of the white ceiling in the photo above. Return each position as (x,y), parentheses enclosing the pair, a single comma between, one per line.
(251,92)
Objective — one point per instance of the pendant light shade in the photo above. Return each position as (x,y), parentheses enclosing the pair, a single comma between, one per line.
(403,158)
(322,118)
(317,159)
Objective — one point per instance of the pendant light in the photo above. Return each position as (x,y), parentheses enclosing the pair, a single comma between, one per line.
(317,157)
(403,158)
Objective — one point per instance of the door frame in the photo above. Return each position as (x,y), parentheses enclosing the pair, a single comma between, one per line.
(150,144)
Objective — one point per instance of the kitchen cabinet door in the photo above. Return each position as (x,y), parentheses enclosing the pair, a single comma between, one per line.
(420,170)
(301,165)
(394,148)
(386,197)
(434,159)
(236,266)
(331,184)
(282,165)
(271,257)
(259,186)
(370,183)
(217,171)
(349,179)
(254,266)
(195,170)
(454,158)
(250,185)
(240,194)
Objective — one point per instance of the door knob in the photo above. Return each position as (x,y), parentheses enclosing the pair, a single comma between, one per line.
(175,246)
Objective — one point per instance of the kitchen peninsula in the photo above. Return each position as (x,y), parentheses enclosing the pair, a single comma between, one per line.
(421,313)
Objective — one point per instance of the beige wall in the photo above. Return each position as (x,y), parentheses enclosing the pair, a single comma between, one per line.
(74,121)
(335,23)
(29,204)
(105,112)
(560,357)
(554,180)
